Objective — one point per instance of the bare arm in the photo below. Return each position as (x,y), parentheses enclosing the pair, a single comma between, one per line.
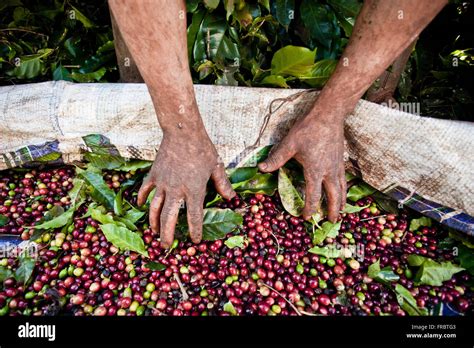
(382,31)
(155,33)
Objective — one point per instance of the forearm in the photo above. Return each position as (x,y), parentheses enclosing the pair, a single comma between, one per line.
(382,31)
(155,34)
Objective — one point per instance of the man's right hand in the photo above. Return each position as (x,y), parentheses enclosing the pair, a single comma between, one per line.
(180,174)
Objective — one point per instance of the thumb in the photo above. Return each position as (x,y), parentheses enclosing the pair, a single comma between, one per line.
(276,159)
(222,183)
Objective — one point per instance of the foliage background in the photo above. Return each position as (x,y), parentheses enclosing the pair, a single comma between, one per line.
(278,43)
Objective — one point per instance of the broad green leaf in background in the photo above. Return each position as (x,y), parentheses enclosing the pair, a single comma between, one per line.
(124,239)
(89,77)
(104,161)
(134,165)
(86,22)
(320,73)
(415,224)
(348,8)
(192,5)
(408,302)
(235,242)
(321,22)
(359,191)
(30,66)
(328,229)
(466,258)
(209,37)
(211,4)
(193,29)
(218,222)
(229,8)
(290,197)
(61,73)
(293,61)
(284,11)
(275,81)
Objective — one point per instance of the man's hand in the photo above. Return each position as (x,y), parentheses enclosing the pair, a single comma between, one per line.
(180,173)
(317,142)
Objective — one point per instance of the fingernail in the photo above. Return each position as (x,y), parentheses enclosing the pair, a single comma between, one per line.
(263,165)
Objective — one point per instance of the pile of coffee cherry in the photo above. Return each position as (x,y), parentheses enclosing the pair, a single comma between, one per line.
(271,272)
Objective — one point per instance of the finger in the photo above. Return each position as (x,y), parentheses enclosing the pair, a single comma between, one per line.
(169,217)
(331,186)
(144,191)
(343,184)
(222,183)
(155,210)
(312,195)
(276,159)
(194,204)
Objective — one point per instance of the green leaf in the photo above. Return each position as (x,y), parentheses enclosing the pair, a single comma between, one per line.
(209,38)
(192,5)
(275,80)
(353,208)
(260,183)
(384,275)
(408,302)
(155,266)
(360,191)
(293,61)
(133,215)
(431,272)
(290,197)
(320,72)
(193,30)
(211,4)
(77,192)
(98,214)
(61,73)
(219,222)
(134,165)
(60,221)
(235,242)
(25,269)
(265,3)
(99,189)
(284,11)
(3,220)
(5,273)
(229,308)
(89,77)
(242,174)
(86,22)
(348,8)
(101,161)
(466,258)
(123,238)
(328,229)
(416,260)
(327,251)
(321,22)
(415,224)
(229,8)
(30,66)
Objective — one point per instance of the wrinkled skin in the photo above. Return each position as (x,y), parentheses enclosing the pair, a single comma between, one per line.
(180,173)
(318,146)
